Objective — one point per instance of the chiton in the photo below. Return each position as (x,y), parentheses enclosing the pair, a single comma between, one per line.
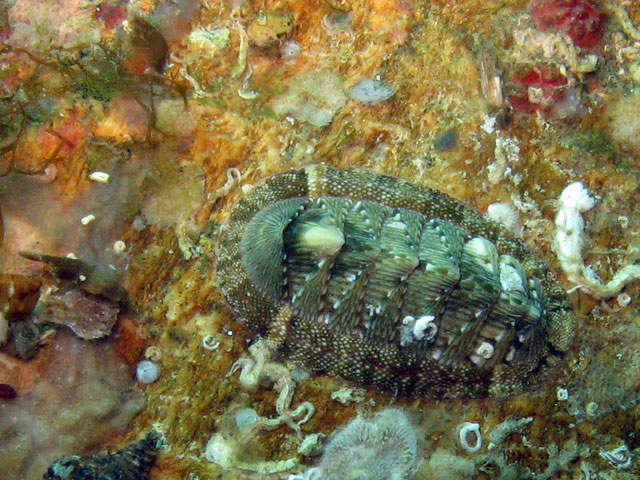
(391,285)
(133,462)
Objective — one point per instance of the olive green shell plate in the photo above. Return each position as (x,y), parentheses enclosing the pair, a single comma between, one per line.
(391,285)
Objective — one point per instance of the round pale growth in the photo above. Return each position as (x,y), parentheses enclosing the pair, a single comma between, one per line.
(147,371)
(178,193)
(119,246)
(445,465)
(245,418)
(505,214)
(576,196)
(313,97)
(290,49)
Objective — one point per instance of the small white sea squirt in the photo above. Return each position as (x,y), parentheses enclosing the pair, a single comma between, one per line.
(147,371)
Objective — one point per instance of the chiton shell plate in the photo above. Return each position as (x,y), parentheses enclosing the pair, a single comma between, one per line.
(391,285)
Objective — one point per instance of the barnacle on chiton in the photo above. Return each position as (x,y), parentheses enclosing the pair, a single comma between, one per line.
(391,285)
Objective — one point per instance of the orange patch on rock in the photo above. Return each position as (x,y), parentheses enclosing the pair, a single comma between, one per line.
(73,134)
(391,17)
(129,339)
(125,120)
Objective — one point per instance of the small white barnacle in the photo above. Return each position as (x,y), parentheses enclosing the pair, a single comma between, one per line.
(425,328)
(483,353)
(624,299)
(562,394)
(153,353)
(485,350)
(470,429)
(210,342)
